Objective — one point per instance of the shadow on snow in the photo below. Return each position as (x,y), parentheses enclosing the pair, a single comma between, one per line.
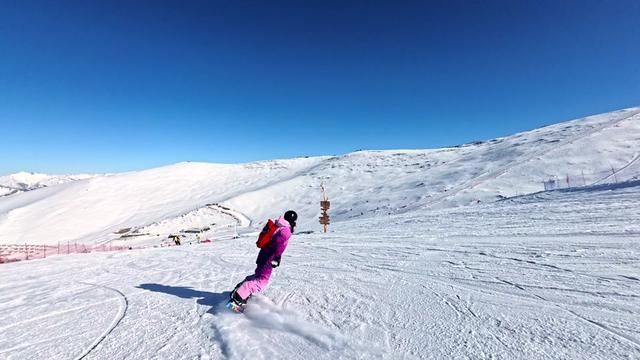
(214,300)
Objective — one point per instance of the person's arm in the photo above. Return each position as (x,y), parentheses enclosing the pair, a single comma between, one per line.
(280,241)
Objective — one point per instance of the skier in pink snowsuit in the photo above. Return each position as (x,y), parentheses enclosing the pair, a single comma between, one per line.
(268,259)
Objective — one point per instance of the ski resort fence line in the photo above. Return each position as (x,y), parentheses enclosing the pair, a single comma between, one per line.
(12,252)
(18,252)
(629,172)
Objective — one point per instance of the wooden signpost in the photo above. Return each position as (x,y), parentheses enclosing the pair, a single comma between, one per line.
(325,204)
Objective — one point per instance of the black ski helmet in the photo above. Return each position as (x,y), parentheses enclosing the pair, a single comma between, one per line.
(291,217)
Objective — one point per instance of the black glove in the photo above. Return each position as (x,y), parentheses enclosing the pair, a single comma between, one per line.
(275,262)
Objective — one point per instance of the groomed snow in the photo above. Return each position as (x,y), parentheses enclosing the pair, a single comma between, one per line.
(475,282)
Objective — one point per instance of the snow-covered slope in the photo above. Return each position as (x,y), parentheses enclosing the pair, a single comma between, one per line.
(546,276)
(91,210)
(362,185)
(26,181)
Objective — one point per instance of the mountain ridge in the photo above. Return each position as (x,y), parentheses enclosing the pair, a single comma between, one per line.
(360,184)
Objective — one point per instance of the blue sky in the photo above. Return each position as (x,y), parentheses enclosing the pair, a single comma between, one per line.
(104,86)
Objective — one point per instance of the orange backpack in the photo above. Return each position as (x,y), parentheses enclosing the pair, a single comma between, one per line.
(265,235)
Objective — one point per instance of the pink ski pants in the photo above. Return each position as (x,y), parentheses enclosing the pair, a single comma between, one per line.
(252,285)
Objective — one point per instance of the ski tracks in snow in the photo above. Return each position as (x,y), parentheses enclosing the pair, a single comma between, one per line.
(121,314)
(369,289)
(483,280)
(624,337)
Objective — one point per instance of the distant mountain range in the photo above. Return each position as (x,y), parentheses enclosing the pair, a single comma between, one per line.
(26,181)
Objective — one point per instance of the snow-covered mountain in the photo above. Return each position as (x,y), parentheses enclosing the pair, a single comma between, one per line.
(475,261)
(545,276)
(363,184)
(27,181)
